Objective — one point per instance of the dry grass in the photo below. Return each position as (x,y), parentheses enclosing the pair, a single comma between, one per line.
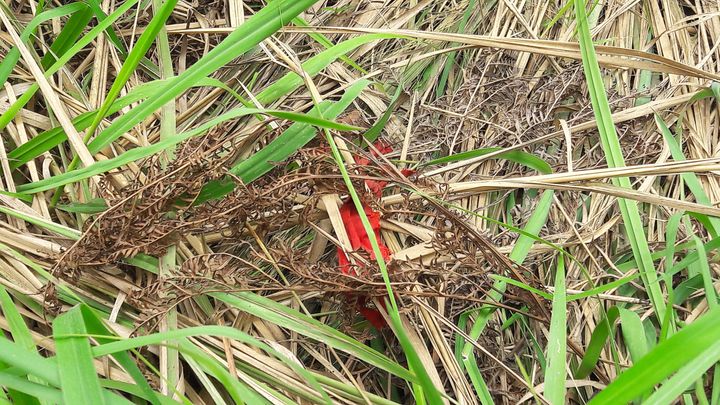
(471,75)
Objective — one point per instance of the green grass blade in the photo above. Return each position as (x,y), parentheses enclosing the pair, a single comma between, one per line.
(205,381)
(512,281)
(18,398)
(429,390)
(557,341)
(324,41)
(43,223)
(694,345)
(21,335)
(133,389)
(94,206)
(70,32)
(690,179)
(110,32)
(633,334)
(294,138)
(602,288)
(288,83)
(222,331)
(138,153)
(78,378)
(506,226)
(49,139)
(61,285)
(520,157)
(96,328)
(710,292)
(23,385)
(11,112)
(289,318)
(13,56)
(19,330)
(534,224)
(313,66)
(142,45)
(261,25)
(450,61)
(681,265)
(613,153)
(518,254)
(312,120)
(597,342)
(237,390)
(280,148)
(374,132)
(29,362)
(669,392)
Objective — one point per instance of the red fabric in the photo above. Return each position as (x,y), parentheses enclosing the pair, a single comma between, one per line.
(371,314)
(359,239)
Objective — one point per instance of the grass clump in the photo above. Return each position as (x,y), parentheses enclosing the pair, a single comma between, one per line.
(533,186)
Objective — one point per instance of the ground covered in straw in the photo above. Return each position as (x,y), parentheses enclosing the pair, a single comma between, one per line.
(359,201)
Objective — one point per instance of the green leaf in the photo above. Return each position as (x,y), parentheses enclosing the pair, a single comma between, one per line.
(110,32)
(78,378)
(43,223)
(221,331)
(687,352)
(258,27)
(557,341)
(518,254)
(690,179)
(70,32)
(142,45)
(49,139)
(450,61)
(13,56)
(294,138)
(693,371)
(238,390)
(374,132)
(133,389)
(324,41)
(96,328)
(597,342)
(633,334)
(289,318)
(520,157)
(282,147)
(613,152)
(602,288)
(634,337)
(312,120)
(710,293)
(29,362)
(94,206)
(22,197)
(512,281)
(105,166)
(19,330)
(313,66)
(8,115)
(39,391)
(21,335)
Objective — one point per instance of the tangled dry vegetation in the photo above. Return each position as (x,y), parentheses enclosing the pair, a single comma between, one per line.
(486,101)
